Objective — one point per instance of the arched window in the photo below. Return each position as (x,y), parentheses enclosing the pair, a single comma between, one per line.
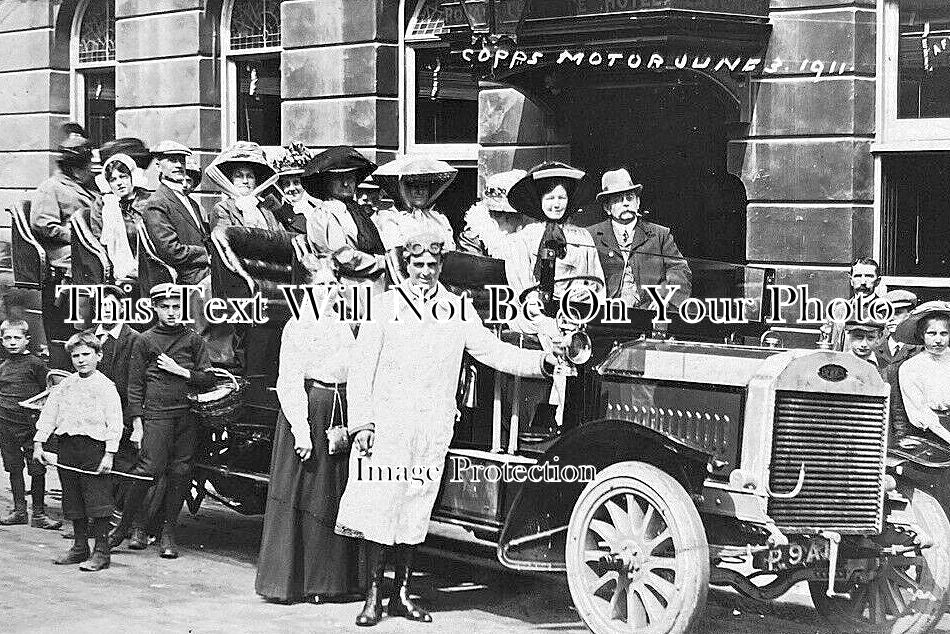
(252,71)
(93,62)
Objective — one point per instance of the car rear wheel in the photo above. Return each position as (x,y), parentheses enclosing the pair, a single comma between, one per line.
(904,593)
(637,557)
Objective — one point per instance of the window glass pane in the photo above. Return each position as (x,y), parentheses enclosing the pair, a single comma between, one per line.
(97,32)
(100,105)
(255,24)
(258,100)
(916,222)
(923,72)
(446,99)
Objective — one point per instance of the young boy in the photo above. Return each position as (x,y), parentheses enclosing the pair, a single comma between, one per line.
(22,375)
(85,413)
(860,339)
(168,361)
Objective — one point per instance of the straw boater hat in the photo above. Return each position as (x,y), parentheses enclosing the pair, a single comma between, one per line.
(336,160)
(292,160)
(407,169)
(617,182)
(525,195)
(245,153)
(496,190)
(907,330)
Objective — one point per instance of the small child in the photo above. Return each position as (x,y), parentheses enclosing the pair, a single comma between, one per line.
(85,413)
(22,376)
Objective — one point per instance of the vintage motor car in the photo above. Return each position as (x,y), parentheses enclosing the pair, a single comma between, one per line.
(711,459)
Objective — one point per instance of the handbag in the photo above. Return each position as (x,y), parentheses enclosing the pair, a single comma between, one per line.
(338,436)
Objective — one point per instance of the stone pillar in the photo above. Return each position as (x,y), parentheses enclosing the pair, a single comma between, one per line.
(34,91)
(515,132)
(166,80)
(806,161)
(340,75)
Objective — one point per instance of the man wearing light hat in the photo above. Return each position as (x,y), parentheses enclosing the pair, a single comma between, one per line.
(861,338)
(633,252)
(891,354)
(66,192)
(182,240)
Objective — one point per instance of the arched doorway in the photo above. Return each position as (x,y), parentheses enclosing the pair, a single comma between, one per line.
(670,129)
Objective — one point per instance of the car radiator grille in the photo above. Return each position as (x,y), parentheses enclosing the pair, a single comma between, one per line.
(841,440)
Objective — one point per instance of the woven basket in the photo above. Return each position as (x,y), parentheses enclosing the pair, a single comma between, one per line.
(222,405)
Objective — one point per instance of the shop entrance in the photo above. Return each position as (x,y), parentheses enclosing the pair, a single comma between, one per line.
(670,130)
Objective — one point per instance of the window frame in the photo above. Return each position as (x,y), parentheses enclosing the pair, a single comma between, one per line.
(77,78)
(229,78)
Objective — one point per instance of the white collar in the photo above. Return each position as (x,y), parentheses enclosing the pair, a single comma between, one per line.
(892,345)
(112,332)
(619,228)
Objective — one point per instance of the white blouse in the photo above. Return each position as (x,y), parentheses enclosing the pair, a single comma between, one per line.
(311,348)
(925,382)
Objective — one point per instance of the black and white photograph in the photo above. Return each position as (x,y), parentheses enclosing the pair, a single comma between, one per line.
(508,316)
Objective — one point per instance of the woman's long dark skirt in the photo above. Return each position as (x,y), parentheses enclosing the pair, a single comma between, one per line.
(300,554)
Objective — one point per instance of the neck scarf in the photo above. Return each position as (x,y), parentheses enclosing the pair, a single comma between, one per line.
(553,238)
(367,236)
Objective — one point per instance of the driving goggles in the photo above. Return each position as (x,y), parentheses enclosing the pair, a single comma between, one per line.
(416,248)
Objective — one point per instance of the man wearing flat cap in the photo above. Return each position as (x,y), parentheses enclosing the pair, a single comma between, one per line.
(891,354)
(182,240)
(633,252)
(66,192)
(401,391)
(861,338)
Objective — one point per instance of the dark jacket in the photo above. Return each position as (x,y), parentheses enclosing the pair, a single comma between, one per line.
(654,260)
(21,376)
(117,361)
(889,364)
(53,204)
(155,393)
(181,243)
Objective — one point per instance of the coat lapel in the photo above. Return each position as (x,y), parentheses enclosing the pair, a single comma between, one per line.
(640,236)
(605,234)
(176,204)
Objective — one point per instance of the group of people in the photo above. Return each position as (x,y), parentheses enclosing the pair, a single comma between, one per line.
(909,351)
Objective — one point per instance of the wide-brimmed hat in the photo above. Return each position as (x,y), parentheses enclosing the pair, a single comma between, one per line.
(335,160)
(906,331)
(617,182)
(292,160)
(394,176)
(246,153)
(131,147)
(497,187)
(525,195)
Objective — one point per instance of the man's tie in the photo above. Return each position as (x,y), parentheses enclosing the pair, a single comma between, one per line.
(625,239)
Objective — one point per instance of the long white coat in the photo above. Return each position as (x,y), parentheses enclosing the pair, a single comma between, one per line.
(403,380)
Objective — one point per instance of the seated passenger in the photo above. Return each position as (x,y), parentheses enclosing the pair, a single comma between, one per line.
(415,184)
(925,378)
(68,191)
(495,201)
(338,224)
(289,166)
(117,223)
(243,173)
(544,194)
(861,338)
(891,354)
(634,252)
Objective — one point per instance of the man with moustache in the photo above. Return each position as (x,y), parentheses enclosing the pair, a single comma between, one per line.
(634,253)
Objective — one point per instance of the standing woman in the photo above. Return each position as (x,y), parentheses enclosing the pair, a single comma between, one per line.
(301,558)
(242,172)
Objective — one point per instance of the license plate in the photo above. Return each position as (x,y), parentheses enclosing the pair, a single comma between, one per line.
(796,554)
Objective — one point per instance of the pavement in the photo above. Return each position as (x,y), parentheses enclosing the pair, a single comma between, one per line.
(211,589)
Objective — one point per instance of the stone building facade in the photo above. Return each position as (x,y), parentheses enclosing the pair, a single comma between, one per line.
(793,153)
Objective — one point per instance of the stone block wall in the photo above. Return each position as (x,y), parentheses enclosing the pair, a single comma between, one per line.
(805,160)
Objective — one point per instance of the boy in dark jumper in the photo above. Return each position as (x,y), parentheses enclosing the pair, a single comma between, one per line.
(22,375)
(168,360)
